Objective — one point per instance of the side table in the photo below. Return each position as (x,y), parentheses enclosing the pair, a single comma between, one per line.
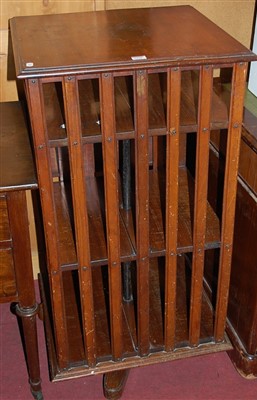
(16,274)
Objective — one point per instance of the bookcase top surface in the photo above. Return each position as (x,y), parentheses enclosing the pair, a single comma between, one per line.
(119,39)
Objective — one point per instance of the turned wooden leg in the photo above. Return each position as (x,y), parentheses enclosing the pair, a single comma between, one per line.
(28,319)
(27,307)
(114,383)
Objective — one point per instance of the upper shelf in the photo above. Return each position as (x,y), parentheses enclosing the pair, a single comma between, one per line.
(123,89)
(119,39)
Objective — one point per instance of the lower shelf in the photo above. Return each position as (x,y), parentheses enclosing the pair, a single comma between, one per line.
(96,221)
(77,364)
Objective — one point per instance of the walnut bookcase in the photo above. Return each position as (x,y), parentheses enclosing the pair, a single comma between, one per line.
(121,105)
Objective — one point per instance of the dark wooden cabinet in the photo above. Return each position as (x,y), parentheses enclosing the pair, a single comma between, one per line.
(242,307)
(16,274)
(242,303)
(122,104)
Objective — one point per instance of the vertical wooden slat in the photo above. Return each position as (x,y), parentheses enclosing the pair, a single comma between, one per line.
(200,201)
(172,174)
(72,114)
(110,161)
(229,200)
(142,207)
(42,153)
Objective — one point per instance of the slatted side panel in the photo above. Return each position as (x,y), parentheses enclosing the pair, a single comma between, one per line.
(42,152)
(229,200)
(110,161)
(73,126)
(200,201)
(142,207)
(172,176)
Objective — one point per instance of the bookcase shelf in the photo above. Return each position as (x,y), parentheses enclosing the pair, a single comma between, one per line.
(90,108)
(97,234)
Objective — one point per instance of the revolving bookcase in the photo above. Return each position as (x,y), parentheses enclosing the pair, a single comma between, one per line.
(121,105)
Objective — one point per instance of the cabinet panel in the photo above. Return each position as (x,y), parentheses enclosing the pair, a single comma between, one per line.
(7,276)
(5,234)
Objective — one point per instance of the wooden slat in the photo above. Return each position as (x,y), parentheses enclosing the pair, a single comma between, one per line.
(172,176)
(66,243)
(200,201)
(156,226)
(72,113)
(110,161)
(156,278)
(142,207)
(229,200)
(34,96)
(97,239)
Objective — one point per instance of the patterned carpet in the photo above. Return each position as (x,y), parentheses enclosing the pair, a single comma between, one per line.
(210,377)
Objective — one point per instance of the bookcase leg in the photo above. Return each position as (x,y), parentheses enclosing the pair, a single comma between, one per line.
(114,384)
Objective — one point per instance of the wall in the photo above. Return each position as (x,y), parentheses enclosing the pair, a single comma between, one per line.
(253,71)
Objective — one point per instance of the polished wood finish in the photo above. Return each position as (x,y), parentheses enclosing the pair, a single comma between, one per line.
(81,218)
(229,196)
(200,200)
(110,171)
(242,306)
(16,8)
(117,37)
(121,136)
(114,384)
(16,279)
(15,150)
(142,201)
(172,201)
(242,301)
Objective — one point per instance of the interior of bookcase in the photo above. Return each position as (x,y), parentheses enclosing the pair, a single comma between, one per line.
(90,111)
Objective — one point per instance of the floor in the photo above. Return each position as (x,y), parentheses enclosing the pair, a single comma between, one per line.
(210,377)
